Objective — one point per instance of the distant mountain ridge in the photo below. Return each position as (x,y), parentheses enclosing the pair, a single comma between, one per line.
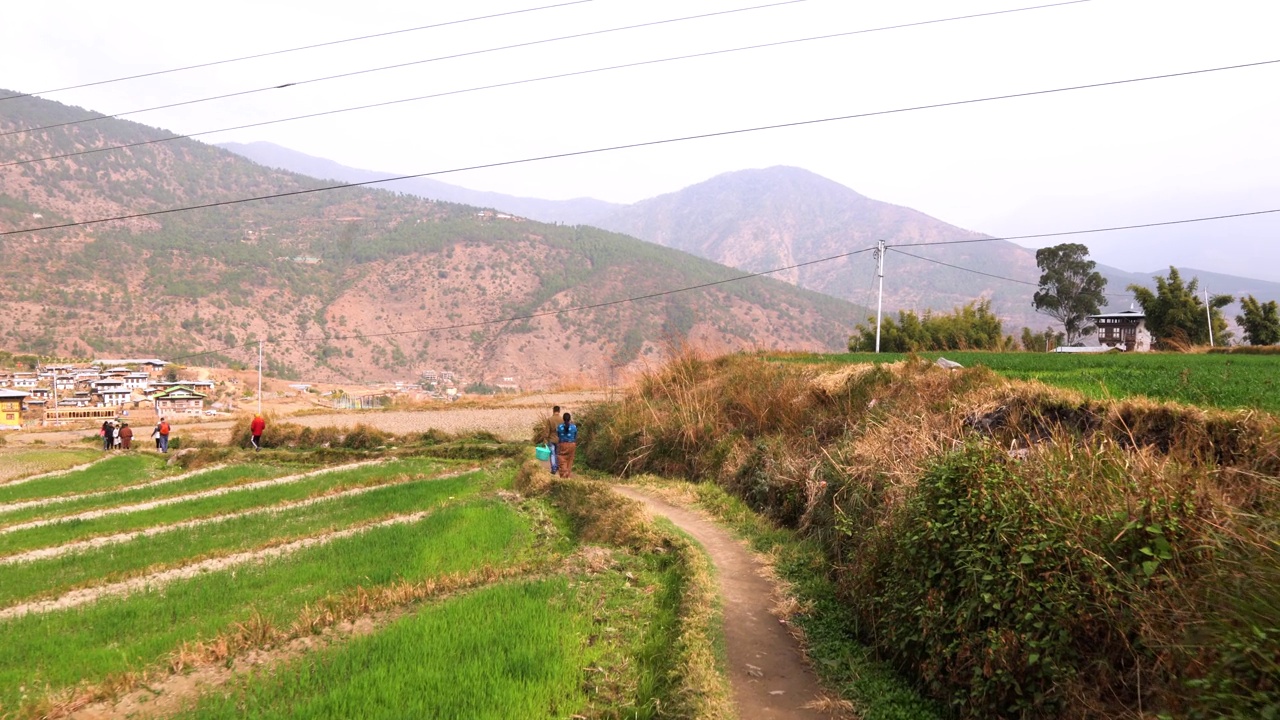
(352,284)
(578,211)
(762,219)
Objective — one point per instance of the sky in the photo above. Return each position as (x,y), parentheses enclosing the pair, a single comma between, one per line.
(1126,154)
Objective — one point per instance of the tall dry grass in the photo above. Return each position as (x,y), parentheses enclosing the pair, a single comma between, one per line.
(1017,549)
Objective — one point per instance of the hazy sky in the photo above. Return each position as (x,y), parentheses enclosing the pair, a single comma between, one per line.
(1162,150)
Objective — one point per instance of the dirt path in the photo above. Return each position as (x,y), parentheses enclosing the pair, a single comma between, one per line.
(771,680)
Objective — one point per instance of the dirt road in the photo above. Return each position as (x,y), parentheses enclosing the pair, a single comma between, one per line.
(770,678)
(509,418)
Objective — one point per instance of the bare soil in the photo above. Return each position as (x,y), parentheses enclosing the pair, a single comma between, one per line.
(770,676)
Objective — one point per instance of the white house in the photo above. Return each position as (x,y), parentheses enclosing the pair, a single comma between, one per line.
(136,380)
(1124,330)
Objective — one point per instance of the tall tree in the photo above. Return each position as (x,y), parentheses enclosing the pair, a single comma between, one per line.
(1261,321)
(1070,288)
(1176,315)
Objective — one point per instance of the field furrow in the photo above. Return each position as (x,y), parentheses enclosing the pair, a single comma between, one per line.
(47,553)
(44,579)
(157,581)
(116,472)
(13,507)
(16,469)
(144,627)
(185,497)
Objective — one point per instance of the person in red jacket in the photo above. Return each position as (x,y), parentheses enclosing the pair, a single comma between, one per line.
(255,429)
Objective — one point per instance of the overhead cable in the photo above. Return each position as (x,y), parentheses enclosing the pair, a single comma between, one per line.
(666,141)
(353,73)
(543,78)
(896,249)
(295,49)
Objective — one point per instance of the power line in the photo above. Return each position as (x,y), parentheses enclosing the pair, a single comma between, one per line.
(559,76)
(1086,232)
(685,138)
(294,49)
(957,267)
(532,316)
(469,53)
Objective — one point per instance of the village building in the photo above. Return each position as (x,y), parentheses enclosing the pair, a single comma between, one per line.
(111,392)
(153,367)
(180,400)
(1123,330)
(25,380)
(11,409)
(6,379)
(35,410)
(199,385)
(136,380)
(41,393)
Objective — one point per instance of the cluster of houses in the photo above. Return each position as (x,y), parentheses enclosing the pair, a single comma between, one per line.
(101,390)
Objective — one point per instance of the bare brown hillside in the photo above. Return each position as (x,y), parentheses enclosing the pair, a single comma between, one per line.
(346,285)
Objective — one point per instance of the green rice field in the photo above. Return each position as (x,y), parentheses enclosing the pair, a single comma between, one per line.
(469,600)
(1227,381)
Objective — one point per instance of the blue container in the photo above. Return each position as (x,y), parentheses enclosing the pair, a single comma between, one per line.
(542,452)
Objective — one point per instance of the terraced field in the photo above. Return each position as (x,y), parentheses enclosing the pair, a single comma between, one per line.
(370,587)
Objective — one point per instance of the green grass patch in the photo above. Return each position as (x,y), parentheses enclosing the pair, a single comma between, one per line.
(1228,381)
(117,472)
(229,476)
(24,463)
(839,658)
(47,578)
(75,529)
(509,651)
(119,635)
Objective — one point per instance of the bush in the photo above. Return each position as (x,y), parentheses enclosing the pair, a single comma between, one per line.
(1017,550)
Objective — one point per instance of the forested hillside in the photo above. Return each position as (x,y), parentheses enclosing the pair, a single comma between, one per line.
(338,282)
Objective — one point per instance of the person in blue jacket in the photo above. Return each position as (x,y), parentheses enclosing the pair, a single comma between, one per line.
(567,434)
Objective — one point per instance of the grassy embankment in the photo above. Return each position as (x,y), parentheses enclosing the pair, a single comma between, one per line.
(1016,550)
(1221,380)
(545,613)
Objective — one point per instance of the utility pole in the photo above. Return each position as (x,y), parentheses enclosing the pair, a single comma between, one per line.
(880,294)
(1208,315)
(259,377)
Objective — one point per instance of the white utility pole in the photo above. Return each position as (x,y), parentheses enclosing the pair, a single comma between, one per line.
(1208,315)
(880,295)
(259,377)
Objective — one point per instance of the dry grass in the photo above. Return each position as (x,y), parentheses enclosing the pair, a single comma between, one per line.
(840,455)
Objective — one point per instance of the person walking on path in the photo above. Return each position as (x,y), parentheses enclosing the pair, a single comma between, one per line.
(126,436)
(108,434)
(552,439)
(163,429)
(255,431)
(155,435)
(567,433)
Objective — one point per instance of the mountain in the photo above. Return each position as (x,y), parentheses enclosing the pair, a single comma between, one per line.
(578,211)
(349,284)
(782,216)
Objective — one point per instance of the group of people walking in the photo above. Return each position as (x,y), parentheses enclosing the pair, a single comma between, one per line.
(117,435)
(562,439)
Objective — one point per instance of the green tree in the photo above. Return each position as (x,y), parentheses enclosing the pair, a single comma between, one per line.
(971,327)
(1175,313)
(1261,321)
(1070,288)
(1041,341)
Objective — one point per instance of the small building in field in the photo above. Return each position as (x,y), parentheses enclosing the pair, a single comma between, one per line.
(11,409)
(1123,330)
(179,400)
